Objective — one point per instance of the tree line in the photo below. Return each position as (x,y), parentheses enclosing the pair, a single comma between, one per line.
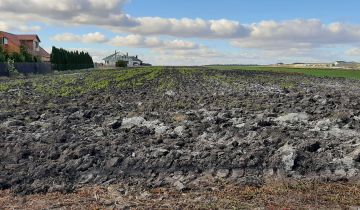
(23,56)
(70,60)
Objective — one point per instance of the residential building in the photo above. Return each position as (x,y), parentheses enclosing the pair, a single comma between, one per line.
(117,56)
(312,65)
(12,43)
(345,64)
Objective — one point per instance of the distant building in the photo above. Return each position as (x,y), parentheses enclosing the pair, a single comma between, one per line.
(11,43)
(117,56)
(337,63)
(311,65)
(344,64)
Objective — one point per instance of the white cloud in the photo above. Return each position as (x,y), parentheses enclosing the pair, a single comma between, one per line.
(96,54)
(187,27)
(180,44)
(89,12)
(201,56)
(353,52)
(96,37)
(109,14)
(227,28)
(65,9)
(26,28)
(18,26)
(129,41)
(139,41)
(297,34)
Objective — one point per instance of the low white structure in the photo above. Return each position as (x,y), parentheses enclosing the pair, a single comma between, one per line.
(345,64)
(117,56)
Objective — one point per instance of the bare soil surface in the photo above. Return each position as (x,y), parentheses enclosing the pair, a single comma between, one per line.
(179,129)
(277,194)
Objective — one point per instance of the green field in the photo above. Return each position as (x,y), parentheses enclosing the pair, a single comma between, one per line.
(342,73)
(80,82)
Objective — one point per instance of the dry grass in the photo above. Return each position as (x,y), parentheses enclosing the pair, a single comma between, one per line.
(273,195)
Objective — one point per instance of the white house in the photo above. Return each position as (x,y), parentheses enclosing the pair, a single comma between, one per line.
(117,56)
(338,63)
(344,64)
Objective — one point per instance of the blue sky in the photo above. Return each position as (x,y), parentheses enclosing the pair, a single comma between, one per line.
(177,32)
(249,11)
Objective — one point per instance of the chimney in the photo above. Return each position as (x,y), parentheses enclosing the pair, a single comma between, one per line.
(136,56)
(127,55)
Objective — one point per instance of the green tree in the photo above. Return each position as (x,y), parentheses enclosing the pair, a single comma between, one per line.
(70,60)
(3,55)
(17,57)
(26,56)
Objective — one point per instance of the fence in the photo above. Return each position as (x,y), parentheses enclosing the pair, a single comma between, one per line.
(65,67)
(27,68)
(41,68)
(3,69)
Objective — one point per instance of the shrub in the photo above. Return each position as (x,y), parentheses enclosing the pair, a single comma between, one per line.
(2,55)
(17,57)
(13,72)
(121,63)
(26,56)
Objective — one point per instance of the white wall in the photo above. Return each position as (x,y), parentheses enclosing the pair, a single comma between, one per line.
(131,63)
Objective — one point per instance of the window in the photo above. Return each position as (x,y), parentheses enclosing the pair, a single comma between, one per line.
(36,45)
(4,40)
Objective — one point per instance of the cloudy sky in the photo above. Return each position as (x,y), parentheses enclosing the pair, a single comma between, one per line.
(179,32)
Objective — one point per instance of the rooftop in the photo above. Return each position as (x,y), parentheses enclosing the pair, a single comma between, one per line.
(28,37)
(119,55)
(16,38)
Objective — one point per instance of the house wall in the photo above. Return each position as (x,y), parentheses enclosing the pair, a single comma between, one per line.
(31,47)
(11,47)
(131,63)
(112,61)
(45,59)
(134,63)
(28,44)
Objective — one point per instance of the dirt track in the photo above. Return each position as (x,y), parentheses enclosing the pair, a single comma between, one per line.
(184,128)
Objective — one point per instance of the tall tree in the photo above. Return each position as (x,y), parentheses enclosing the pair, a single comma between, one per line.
(70,60)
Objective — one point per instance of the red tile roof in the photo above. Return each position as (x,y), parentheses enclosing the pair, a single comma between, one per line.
(17,38)
(43,53)
(28,37)
(11,38)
